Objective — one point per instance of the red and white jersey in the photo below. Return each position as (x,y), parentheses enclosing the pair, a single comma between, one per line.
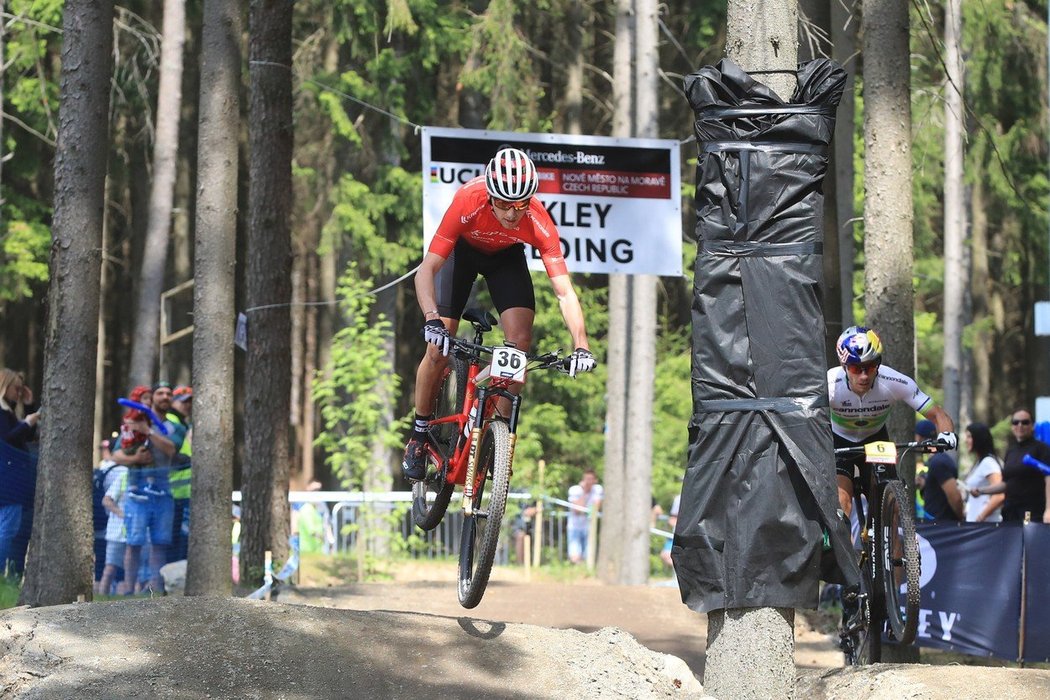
(470,217)
(859,417)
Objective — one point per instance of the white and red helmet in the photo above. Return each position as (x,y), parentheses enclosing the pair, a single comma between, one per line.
(511,176)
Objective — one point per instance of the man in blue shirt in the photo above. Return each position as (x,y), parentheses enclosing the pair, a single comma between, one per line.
(939,486)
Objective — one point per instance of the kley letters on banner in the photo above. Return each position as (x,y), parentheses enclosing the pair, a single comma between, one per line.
(616,202)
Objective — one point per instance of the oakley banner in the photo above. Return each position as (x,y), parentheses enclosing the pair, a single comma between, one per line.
(1037,592)
(616,202)
(971,588)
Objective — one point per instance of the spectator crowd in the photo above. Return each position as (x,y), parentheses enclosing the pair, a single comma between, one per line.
(140,487)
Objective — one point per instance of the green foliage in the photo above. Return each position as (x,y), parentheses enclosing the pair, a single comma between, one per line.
(502,56)
(10,588)
(376,224)
(31,40)
(672,409)
(351,390)
(24,248)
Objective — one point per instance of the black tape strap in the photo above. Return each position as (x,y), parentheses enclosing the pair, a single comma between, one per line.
(721,112)
(753,249)
(763,146)
(776,405)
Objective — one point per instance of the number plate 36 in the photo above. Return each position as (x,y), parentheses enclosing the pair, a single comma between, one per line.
(508,363)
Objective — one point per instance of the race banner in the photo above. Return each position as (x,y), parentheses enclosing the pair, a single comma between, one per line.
(616,202)
(971,588)
(1037,592)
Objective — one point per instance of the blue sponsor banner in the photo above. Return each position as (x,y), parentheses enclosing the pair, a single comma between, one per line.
(971,588)
(17,476)
(1037,598)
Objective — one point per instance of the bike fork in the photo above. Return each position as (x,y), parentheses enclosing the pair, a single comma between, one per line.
(472,458)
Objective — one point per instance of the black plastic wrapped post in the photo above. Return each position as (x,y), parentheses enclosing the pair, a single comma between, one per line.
(759,484)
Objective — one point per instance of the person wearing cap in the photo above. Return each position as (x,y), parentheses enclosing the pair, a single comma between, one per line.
(484,232)
(939,485)
(150,508)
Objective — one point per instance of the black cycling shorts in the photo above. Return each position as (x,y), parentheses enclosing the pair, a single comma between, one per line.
(506,273)
(850,464)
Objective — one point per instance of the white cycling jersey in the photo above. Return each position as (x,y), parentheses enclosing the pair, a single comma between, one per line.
(856,418)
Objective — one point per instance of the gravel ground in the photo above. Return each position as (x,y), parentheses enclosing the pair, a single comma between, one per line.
(410,639)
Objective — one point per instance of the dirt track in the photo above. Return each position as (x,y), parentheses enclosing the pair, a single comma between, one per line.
(654,615)
(177,647)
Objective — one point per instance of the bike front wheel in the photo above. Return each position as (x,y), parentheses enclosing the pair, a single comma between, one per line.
(481,530)
(900,563)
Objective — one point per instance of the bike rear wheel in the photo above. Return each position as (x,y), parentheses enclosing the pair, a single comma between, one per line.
(481,530)
(900,563)
(428,516)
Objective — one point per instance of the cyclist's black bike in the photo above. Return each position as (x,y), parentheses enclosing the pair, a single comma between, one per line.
(888,599)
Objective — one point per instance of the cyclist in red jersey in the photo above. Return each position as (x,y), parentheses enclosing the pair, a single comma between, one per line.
(484,232)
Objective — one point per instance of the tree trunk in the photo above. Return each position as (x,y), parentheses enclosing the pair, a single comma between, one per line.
(165,158)
(844,22)
(264,515)
(60,563)
(642,338)
(814,34)
(210,551)
(760,36)
(888,245)
(575,38)
(611,550)
(981,303)
(954,210)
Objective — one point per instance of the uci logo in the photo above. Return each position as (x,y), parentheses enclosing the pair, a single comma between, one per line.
(453,176)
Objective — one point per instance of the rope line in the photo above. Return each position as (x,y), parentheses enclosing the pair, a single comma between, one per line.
(330,302)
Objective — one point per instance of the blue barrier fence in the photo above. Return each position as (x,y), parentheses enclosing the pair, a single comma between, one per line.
(986,589)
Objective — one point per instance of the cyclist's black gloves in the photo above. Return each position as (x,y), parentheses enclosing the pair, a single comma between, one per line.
(435,333)
(580,361)
(948,439)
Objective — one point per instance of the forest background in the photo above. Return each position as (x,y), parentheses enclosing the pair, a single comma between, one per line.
(365,73)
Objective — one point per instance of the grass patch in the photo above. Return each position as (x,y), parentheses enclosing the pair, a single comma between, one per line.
(9,590)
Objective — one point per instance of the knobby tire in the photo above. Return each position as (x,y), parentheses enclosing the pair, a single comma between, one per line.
(900,563)
(481,531)
(428,516)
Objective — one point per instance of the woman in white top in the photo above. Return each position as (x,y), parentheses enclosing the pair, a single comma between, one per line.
(986,471)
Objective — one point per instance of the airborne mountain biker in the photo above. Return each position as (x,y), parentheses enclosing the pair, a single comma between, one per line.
(484,231)
(861,391)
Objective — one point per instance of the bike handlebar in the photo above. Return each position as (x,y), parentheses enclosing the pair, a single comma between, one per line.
(921,446)
(547,360)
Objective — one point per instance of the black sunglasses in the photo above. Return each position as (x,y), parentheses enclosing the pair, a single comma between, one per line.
(1023,421)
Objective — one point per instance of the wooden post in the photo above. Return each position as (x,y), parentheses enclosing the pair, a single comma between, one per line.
(592,537)
(526,550)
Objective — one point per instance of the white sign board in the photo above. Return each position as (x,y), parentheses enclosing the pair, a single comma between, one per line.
(1042,318)
(1042,409)
(616,202)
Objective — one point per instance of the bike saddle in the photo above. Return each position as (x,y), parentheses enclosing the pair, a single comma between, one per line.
(483,321)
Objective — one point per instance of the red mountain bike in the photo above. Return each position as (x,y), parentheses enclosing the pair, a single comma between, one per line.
(888,599)
(471,445)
